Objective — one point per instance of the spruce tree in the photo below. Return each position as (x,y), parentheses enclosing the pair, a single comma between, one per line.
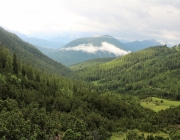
(15,64)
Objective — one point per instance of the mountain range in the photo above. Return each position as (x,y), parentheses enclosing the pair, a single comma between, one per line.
(41,42)
(139,45)
(82,49)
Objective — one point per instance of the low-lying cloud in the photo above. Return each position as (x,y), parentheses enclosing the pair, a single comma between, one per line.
(105,47)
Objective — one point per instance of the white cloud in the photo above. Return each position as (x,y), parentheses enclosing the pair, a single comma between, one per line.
(123,19)
(105,47)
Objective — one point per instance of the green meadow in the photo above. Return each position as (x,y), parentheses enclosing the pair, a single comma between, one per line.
(122,136)
(157,104)
(118,136)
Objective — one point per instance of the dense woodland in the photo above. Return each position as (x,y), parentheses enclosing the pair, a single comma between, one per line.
(37,103)
(150,72)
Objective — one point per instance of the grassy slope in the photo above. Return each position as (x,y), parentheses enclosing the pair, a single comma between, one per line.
(118,136)
(157,104)
(122,136)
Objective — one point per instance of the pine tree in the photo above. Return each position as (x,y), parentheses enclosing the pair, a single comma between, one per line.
(9,66)
(15,64)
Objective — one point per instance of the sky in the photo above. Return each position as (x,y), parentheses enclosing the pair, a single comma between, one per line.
(123,19)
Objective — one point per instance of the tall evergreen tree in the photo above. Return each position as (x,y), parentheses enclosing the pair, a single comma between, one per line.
(15,64)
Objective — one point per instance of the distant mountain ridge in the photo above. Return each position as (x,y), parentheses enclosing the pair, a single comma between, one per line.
(139,45)
(83,49)
(40,42)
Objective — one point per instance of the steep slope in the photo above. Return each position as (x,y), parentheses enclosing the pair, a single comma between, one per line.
(153,71)
(29,54)
(46,50)
(139,45)
(83,49)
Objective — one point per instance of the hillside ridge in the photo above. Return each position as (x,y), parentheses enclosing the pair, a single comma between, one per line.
(30,54)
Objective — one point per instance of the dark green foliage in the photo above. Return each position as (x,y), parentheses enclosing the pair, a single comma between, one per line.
(15,64)
(133,135)
(90,63)
(37,105)
(175,134)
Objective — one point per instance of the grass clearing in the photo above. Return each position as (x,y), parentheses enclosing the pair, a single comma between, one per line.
(118,136)
(157,104)
(122,136)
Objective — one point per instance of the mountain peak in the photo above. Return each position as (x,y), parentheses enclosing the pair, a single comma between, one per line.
(96,41)
(83,49)
(108,36)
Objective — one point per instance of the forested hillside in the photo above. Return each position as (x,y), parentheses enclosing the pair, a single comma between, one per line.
(91,63)
(150,72)
(29,54)
(38,105)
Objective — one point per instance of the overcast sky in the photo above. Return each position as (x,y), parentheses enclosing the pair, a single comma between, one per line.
(122,19)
